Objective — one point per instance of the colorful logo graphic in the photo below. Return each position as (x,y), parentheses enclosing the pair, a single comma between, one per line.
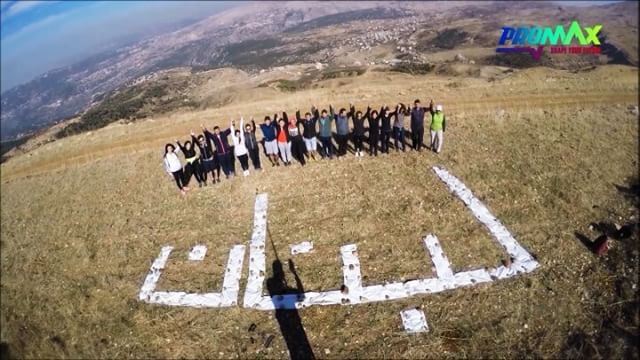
(532,40)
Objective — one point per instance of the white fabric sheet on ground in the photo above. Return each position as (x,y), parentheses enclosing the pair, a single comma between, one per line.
(302,248)
(227,297)
(257,260)
(414,321)
(154,273)
(352,291)
(439,259)
(523,262)
(197,253)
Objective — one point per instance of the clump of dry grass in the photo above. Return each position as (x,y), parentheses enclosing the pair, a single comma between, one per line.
(78,237)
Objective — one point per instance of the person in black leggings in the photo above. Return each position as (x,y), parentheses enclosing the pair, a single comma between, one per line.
(173,166)
(207,158)
(251,143)
(373,118)
(224,152)
(342,129)
(358,129)
(402,111)
(192,167)
(385,129)
(295,135)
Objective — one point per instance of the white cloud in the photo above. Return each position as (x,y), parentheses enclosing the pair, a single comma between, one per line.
(13,9)
(35,26)
(65,38)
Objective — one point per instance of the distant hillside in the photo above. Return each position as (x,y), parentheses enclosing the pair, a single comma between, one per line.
(259,36)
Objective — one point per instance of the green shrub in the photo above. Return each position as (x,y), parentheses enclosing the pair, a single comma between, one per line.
(127,105)
(413,68)
(342,72)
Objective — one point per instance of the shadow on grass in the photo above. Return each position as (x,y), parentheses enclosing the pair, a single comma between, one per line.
(289,319)
(618,318)
(588,243)
(4,351)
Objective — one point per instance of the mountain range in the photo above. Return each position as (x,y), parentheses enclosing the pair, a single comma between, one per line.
(259,36)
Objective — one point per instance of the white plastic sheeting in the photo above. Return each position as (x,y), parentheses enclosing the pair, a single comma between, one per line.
(351,291)
(197,253)
(414,321)
(352,287)
(523,262)
(439,259)
(303,247)
(253,291)
(230,284)
(253,296)
(154,274)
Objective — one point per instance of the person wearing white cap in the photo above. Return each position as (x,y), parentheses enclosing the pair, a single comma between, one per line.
(438,125)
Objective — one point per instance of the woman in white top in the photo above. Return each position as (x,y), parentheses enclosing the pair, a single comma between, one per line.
(173,166)
(239,148)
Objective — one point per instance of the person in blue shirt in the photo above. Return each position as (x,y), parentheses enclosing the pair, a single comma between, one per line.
(268,129)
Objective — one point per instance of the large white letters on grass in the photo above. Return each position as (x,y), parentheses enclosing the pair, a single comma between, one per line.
(351,291)
(227,297)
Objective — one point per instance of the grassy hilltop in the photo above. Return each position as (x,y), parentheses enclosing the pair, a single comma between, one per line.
(548,151)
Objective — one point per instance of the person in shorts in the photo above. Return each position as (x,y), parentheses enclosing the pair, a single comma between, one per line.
(309,132)
(268,129)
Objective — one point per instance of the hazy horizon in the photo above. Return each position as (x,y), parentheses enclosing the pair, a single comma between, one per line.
(40,36)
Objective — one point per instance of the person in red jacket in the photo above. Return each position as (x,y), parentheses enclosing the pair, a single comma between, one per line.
(282,136)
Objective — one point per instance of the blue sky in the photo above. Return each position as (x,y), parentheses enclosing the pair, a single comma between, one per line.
(37,36)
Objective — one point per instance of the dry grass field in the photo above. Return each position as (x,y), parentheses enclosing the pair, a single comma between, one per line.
(548,151)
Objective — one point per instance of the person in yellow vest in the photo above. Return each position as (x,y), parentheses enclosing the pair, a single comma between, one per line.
(438,125)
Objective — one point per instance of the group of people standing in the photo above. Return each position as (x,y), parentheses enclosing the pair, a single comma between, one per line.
(285,140)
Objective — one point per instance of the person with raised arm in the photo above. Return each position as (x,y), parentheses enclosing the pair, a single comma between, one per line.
(207,156)
(358,129)
(324,124)
(269,132)
(309,131)
(385,129)
(373,118)
(223,150)
(251,143)
(295,135)
(239,148)
(438,126)
(342,130)
(398,125)
(173,167)
(417,124)
(282,135)
(192,167)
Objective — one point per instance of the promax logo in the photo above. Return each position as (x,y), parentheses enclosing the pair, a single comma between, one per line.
(524,39)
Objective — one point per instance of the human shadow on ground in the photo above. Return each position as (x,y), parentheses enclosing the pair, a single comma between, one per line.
(617,336)
(289,320)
